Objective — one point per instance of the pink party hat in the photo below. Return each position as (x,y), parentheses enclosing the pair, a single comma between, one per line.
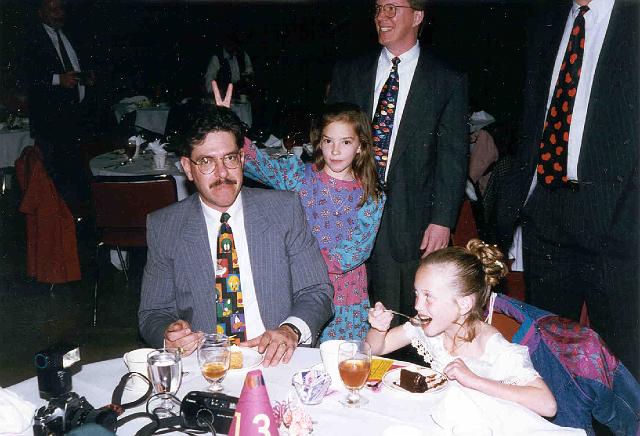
(254,413)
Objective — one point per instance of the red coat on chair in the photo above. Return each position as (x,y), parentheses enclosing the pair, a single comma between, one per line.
(52,251)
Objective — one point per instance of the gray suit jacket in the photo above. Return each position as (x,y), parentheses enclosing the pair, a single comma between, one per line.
(289,273)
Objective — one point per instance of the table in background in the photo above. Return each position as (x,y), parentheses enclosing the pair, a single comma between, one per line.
(385,409)
(12,142)
(153,118)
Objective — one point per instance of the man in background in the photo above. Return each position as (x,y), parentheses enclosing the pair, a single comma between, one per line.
(57,93)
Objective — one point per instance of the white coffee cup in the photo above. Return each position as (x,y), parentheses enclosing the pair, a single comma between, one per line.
(297,150)
(329,353)
(159,160)
(136,361)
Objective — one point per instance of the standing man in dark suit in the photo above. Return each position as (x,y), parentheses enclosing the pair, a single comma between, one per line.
(229,259)
(423,148)
(574,187)
(57,88)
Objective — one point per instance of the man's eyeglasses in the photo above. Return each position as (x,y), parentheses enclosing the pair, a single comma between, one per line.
(389,9)
(207,164)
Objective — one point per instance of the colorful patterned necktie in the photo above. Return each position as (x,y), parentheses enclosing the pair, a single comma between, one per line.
(229,305)
(382,124)
(552,162)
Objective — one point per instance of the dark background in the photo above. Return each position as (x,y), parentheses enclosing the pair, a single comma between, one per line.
(146,47)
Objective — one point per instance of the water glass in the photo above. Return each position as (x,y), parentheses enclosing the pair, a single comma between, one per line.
(214,358)
(165,370)
(354,364)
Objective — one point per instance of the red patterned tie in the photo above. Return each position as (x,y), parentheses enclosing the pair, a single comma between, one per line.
(552,162)
(229,305)
(382,124)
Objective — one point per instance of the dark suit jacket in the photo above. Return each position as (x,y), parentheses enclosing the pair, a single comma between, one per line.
(608,162)
(52,109)
(289,274)
(428,169)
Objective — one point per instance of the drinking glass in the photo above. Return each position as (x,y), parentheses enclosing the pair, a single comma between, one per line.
(354,364)
(131,149)
(289,141)
(213,357)
(165,370)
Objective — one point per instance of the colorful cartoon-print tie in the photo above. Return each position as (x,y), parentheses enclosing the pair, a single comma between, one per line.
(382,124)
(552,162)
(229,305)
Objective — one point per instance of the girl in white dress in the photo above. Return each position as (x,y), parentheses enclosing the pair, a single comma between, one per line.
(452,287)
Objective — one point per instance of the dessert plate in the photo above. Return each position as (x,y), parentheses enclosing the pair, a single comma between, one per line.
(392,380)
(250,358)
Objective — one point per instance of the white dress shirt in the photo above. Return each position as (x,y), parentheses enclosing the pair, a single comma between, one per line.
(236,74)
(73,57)
(406,69)
(596,24)
(253,320)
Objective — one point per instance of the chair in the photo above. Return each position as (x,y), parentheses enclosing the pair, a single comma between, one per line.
(466,228)
(121,206)
(586,379)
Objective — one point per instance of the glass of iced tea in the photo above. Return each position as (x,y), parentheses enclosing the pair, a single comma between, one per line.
(213,357)
(354,364)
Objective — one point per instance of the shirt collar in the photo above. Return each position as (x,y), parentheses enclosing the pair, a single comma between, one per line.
(234,211)
(406,57)
(597,9)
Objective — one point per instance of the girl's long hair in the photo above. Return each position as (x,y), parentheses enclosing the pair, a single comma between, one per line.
(363,165)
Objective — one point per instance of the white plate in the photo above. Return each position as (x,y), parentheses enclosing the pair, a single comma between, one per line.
(250,359)
(392,377)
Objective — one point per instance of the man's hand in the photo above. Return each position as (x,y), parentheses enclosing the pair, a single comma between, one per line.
(277,345)
(179,336)
(435,238)
(69,79)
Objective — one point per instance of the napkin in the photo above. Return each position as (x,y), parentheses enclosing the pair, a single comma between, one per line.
(156,147)
(468,411)
(138,101)
(273,142)
(479,120)
(16,414)
(138,140)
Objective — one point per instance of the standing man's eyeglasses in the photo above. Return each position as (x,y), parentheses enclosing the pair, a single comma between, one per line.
(389,9)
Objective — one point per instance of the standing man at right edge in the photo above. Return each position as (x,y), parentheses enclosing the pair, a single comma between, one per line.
(418,109)
(574,188)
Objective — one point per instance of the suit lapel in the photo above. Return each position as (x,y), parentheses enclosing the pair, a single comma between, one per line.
(195,240)
(417,107)
(255,226)
(366,94)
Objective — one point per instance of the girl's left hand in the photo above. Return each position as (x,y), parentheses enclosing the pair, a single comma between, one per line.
(458,370)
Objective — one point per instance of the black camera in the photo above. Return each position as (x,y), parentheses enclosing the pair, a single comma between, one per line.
(203,410)
(66,410)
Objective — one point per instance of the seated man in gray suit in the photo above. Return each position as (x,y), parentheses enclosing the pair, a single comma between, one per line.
(228,259)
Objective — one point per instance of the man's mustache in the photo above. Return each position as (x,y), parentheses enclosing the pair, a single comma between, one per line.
(224,181)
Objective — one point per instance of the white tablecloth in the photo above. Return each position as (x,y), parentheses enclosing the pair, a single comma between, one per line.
(387,408)
(108,164)
(12,142)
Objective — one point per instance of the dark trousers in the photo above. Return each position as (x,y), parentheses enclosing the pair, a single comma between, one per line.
(390,281)
(64,164)
(567,263)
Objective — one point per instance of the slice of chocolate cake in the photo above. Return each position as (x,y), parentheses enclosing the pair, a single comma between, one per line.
(412,381)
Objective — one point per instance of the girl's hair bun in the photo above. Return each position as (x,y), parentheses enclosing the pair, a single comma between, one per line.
(492,260)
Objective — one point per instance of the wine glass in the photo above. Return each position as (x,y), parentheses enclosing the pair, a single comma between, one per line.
(130,150)
(165,370)
(289,141)
(354,364)
(213,357)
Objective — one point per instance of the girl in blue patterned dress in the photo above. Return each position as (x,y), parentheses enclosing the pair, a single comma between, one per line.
(342,202)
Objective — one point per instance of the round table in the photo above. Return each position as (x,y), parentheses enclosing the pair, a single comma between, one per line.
(386,410)
(109,164)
